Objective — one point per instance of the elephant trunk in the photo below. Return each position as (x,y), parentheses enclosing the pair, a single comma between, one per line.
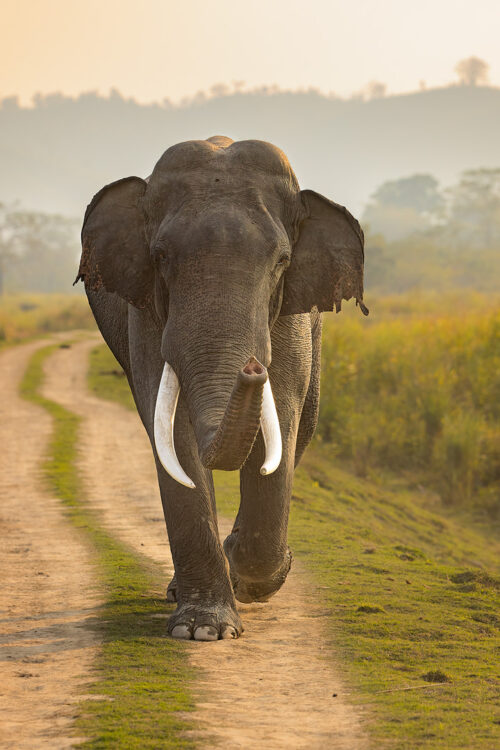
(228,446)
(250,406)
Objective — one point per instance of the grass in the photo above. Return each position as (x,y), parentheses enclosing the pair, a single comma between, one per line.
(142,682)
(418,393)
(412,592)
(26,316)
(106,378)
(414,605)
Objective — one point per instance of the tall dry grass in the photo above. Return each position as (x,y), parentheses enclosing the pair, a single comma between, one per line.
(23,316)
(420,392)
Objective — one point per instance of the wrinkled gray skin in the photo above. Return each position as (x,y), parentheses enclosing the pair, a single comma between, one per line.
(217,258)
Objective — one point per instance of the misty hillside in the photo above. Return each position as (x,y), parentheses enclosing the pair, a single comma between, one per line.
(56,155)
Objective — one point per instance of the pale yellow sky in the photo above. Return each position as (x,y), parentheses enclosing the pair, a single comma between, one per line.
(172,48)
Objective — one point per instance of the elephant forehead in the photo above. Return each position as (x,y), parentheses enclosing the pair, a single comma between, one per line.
(216,157)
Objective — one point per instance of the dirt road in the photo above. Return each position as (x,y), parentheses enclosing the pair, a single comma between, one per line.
(47,591)
(273,688)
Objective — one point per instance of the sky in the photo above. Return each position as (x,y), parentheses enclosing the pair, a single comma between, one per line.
(157,49)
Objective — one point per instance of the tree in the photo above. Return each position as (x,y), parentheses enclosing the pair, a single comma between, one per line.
(474,208)
(420,192)
(219,90)
(472,71)
(400,207)
(7,252)
(38,252)
(375,90)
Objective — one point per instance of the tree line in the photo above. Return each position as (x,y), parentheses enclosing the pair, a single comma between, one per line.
(38,251)
(422,236)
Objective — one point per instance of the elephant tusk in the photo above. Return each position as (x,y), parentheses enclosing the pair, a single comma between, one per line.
(166,405)
(271,432)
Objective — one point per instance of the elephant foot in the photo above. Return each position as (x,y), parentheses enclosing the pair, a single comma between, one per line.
(248,584)
(200,622)
(172,591)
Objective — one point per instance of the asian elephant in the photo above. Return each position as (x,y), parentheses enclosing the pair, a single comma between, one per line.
(207,280)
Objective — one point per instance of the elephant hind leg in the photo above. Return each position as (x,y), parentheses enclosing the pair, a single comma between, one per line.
(172,590)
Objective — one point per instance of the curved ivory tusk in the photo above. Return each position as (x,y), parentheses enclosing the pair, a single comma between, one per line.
(271,432)
(166,404)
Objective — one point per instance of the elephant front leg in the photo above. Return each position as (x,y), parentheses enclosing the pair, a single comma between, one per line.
(257,547)
(206,608)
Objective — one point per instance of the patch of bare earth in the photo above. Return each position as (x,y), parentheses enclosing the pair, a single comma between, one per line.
(273,688)
(47,589)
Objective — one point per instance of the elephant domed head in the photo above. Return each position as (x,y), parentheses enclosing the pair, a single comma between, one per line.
(217,244)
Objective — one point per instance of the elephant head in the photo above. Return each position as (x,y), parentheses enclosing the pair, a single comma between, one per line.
(219,242)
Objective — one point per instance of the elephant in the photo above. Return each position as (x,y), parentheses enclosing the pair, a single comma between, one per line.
(208,281)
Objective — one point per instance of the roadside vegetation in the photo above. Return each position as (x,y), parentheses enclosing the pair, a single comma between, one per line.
(26,316)
(106,378)
(411,600)
(381,514)
(142,681)
(418,393)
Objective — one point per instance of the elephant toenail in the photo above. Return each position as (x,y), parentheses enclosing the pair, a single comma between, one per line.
(182,631)
(206,633)
(229,632)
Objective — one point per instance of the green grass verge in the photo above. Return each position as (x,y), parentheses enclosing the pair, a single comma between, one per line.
(412,595)
(413,600)
(142,679)
(106,378)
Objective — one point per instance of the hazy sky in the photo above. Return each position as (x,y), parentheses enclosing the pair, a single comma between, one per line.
(152,49)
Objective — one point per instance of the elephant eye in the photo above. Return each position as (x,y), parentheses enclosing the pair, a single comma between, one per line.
(161,259)
(284,260)
(160,253)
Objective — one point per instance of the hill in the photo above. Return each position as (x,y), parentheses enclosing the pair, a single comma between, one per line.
(58,153)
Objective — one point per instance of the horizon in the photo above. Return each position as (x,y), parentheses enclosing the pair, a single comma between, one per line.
(221,91)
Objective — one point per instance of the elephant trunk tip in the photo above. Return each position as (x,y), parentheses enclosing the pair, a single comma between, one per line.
(253,367)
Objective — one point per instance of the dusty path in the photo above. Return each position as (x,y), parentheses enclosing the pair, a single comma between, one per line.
(270,689)
(47,594)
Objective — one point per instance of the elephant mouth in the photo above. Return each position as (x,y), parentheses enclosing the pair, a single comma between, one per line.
(250,407)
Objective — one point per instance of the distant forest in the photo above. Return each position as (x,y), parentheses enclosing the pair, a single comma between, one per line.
(57,153)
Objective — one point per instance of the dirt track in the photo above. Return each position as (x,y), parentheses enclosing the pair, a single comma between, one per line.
(47,594)
(273,688)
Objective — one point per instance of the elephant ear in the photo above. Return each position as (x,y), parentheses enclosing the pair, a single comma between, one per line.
(327,259)
(115,253)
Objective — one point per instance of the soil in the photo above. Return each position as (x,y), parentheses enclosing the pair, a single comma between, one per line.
(47,592)
(272,688)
